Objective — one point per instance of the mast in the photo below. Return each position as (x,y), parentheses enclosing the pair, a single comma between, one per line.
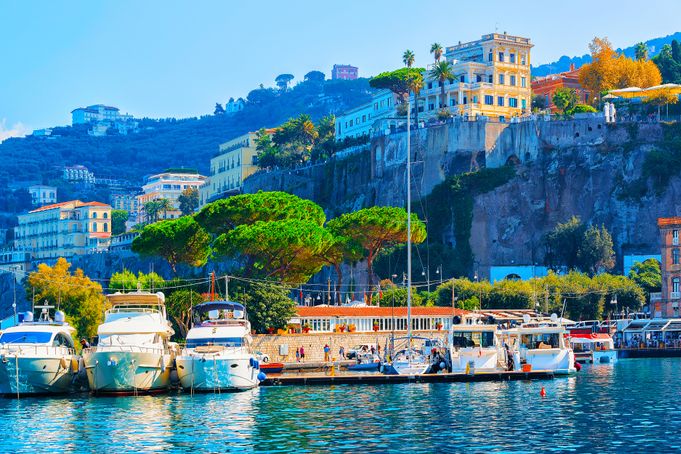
(409,221)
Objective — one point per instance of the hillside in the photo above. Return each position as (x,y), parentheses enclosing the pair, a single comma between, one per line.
(564,62)
(171,142)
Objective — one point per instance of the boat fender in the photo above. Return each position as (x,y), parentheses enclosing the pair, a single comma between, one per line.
(262,376)
(75,365)
(578,366)
(442,365)
(62,363)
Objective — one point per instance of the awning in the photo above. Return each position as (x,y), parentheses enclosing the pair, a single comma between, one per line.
(218,305)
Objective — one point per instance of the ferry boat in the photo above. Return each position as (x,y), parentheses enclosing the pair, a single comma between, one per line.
(540,345)
(474,346)
(38,357)
(218,354)
(134,353)
(593,348)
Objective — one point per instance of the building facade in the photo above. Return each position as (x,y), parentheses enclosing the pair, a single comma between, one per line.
(42,195)
(344,72)
(234,106)
(491,79)
(78,173)
(167,185)
(64,229)
(94,113)
(360,120)
(668,304)
(546,86)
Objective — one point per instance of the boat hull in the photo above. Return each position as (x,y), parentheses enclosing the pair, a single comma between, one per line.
(405,368)
(364,367)
(475,359)
(36,375)
(558,361)
(119,372)
(199,372)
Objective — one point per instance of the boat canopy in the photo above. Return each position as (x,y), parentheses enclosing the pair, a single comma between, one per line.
(136,299)
(218,305)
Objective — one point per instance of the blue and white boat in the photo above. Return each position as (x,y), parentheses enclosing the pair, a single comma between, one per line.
(366,362)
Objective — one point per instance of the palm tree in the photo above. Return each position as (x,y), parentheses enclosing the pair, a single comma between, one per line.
(151,209)
(165,205)
(442,71)
(436,50)
(408,58)
(641,51)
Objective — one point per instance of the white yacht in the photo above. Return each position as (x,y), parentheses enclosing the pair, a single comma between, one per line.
(133,353)
(38,357)
(593,348)
(218,356)
(474,347)
(540,345)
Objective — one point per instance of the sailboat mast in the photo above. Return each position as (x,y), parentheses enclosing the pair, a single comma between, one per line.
(409,220)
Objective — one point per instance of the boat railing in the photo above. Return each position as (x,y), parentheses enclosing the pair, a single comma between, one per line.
(36,349)
(126,349)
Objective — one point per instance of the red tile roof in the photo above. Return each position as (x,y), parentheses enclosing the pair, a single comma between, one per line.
(76,203)
(375,311)
(663,222)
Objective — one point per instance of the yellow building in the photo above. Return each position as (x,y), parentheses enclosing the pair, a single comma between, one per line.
(64,229)
(491,78)
(232,164)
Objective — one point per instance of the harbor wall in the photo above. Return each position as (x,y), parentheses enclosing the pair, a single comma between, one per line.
(313,343)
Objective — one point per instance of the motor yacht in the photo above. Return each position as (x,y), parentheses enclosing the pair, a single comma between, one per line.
(133,353)
(593,348)
(474,347)
(38,357)
(218,356)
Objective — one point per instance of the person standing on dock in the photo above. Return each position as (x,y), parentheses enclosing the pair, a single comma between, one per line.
(327,350)
(341,352)
(297,355)
(302,354)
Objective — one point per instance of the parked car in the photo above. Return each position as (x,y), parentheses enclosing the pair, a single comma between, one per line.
(361,348)
(263,358)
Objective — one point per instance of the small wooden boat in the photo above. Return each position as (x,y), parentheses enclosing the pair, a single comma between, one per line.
(272,368)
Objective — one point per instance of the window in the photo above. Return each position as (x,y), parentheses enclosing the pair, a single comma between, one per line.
(364,118)
(462,78)
(452,102)
(523,60)
(478,78)
(675,256)
(523,103)
(513,102)
(490,56)
(501,56)
(357,120)
(376,105)
(490,78)
(431,106)
(489,100)
(675,237)
(94,226)
(523,82)
(106,215)
(500,100)
(430,85)
(501,79)
(94,215)
(106,227)
(512,81)
(675,284)
(511,58)
(465,100)
(475,99)
(350,123)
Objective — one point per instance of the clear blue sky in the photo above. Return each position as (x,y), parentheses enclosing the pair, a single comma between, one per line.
(171,58)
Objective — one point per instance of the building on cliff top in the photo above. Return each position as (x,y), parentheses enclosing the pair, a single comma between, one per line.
(360,120)
(667,303)
(344,72)
(167,185)
(546,86)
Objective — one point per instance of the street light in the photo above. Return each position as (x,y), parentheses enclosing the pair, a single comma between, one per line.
(438,271)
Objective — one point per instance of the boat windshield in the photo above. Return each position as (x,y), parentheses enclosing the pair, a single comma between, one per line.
(224,341)
(540,340)
(473,339)
(116,340)
(25,337)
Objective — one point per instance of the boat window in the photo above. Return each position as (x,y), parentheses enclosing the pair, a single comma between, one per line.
(225,341)
(25,337)
(109,340)
(473,339)
(540,340)
(61,340)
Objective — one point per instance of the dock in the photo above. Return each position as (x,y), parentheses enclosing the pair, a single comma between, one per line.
(380,379)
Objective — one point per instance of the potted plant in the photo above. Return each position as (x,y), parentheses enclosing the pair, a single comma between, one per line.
(342,328)
(306,328)
(438,325)
(351,328)
(270,330)
(375,326)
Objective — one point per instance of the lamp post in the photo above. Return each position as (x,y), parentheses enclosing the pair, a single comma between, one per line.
(438,271)
(426,274)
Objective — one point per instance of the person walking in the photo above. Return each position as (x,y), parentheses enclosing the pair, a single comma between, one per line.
(341,352)
(302,354)
(297,355)
(327,349)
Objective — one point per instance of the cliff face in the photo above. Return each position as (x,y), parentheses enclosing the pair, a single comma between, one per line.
(563,168)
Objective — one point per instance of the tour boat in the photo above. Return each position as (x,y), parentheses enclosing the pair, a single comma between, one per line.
(593,348)
(38,357)
(366,362)
(474,347)
(540,345)
(134,353)
(218,354)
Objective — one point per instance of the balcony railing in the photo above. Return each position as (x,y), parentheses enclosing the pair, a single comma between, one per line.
(656,296)
(674,295)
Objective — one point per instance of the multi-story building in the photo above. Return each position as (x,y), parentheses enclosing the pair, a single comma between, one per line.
(546,86)
(42,195)
(668,303)
(234,106)
(64,229)
(360,120)
(233,163)
(167,185)
(344,72)
(78,173)
(491,79)
(94,113)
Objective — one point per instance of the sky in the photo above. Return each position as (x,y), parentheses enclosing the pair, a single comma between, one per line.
(178,58)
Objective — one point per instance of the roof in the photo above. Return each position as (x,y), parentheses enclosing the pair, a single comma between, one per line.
(592,336)
(218,305)
(133,298)
(375,311)
(663,222)
(76,204)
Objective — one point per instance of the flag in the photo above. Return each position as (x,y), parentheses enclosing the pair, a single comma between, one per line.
(301,297)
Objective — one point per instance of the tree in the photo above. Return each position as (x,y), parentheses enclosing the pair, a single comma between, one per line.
(539,102)
(295,139)
(179,306)
(151,210)
(565,99)
(341,249)
(225,215)
(661,98)
(562,243)
(377,227)
(669,63)
(80,298)
(268,152)
(408,58)
(164,205)
(268,306)
(289,250)
(314,76)
(219,110)
(442,71)
(189,201)
(180,240)
(583,108)
(641,51)
(647,275)
(397,296)
(401,82)
(596,251)
(118,219)
(436,50)
(126,280)
(283,80)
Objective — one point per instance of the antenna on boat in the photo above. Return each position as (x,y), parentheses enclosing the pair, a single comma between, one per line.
(212,286)
(409,217)
(226,287)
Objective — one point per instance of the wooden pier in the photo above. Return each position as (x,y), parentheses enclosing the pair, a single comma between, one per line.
(379,379)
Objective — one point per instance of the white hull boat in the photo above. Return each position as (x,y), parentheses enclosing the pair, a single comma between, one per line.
(474,347)
(112,370)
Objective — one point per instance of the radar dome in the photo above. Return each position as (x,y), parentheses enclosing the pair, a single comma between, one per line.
(554,317)
(59,317)
(526,318)
(28,317)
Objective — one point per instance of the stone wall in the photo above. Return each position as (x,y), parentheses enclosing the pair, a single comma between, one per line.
(313,343)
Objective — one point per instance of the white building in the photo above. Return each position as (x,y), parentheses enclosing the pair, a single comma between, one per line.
(78,173)
(167,185)
(94,113)
(42,195)
(234,106)
(360,120)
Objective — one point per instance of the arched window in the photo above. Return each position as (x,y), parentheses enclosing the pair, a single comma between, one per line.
(675,284)
(105,215)
(94,215)
(675,256)
(94,226)
(106,227)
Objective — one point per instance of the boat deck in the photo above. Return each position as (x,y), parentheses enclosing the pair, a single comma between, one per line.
(377,379)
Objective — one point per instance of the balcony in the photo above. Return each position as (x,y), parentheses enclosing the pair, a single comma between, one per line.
(674,295)
(675,241)
(655,296)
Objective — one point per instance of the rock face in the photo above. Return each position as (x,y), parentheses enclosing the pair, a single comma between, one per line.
(563,168)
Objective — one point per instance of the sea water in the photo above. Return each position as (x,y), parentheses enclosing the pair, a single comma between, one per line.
(631,406)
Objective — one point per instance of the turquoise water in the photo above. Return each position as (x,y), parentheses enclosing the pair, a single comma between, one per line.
(629,407)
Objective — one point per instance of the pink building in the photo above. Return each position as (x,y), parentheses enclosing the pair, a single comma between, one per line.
(345,72)
(668,303)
